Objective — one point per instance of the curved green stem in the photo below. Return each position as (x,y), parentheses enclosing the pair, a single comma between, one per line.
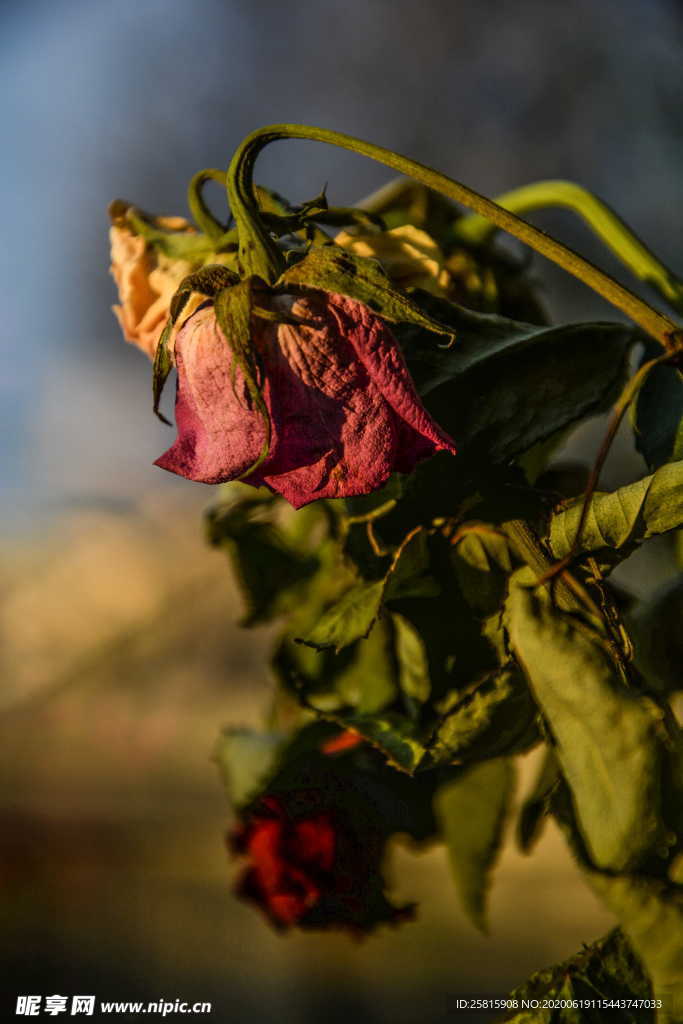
(604,221)
(259,254)
(203,217)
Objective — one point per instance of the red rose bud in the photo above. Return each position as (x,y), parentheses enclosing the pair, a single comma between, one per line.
(306,869)
(343,409)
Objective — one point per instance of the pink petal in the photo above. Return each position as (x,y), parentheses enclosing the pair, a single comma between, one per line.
(378,350)
(344,409)
(333,435)
(219,437)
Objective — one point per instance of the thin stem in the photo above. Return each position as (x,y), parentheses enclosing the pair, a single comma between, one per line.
(614,232)
(633,386)
(203,217)
(259,254)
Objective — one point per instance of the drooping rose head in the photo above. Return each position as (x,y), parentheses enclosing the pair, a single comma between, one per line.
(146,279)
(308,867)
(344,413)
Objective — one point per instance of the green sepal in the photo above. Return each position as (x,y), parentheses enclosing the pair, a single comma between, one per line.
(209,280)
(161,367)
(338,216)
(178,245)
(331,269)
(233,308)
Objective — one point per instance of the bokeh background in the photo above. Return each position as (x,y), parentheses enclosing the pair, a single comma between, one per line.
(120,657)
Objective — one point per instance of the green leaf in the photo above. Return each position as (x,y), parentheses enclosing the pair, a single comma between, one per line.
(395,735)
(607,736)
(496,717)
(471,812)
(658,413)
(332,269)
(353,613)
(413,665)
(504,386)
(651,914)
(537,804)
(625,517)
(363,676)
(606,970)
(350,618)
(483,338)
(483,559)
(245,761)
(369,682)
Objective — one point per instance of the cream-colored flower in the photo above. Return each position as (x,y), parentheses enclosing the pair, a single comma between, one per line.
(147,280)
(411,258)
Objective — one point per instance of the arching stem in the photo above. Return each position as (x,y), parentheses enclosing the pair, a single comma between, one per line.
(203,217)
(613,231)
(258,253)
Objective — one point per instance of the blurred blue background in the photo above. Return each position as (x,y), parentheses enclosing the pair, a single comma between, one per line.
(119,660)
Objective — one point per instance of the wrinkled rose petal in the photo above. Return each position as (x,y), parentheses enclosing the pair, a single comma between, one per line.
(344,412)
(146,281)
(410,256)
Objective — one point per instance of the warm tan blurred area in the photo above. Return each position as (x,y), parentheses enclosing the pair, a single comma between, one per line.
(123,661)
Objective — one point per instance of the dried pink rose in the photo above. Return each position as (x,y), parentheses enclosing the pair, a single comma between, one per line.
(344,412)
